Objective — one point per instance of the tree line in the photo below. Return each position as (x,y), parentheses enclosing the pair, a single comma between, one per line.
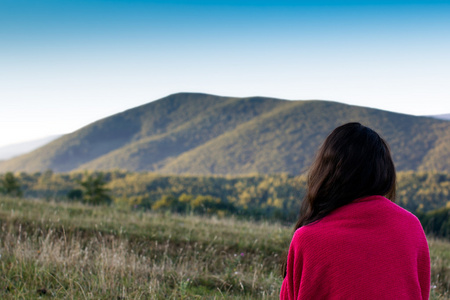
(255,196)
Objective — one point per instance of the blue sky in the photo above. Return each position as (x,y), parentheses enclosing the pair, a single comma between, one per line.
(64,64)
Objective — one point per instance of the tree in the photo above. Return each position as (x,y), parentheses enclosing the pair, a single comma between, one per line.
(206,204)
(10,185)
(167,202)
(75,194)
(170,202)
(94,190)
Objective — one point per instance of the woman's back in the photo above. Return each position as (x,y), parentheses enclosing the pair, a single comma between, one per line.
(368,249)
(349,244)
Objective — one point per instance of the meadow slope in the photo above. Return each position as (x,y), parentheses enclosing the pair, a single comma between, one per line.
(60,250)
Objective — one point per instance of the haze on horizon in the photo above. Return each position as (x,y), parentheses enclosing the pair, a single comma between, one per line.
(67,64)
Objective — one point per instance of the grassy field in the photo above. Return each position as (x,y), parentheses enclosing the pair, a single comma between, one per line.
(73,251)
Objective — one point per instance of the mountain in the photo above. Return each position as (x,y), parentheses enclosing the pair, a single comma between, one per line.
(442,117)
(190,133)
(13,150)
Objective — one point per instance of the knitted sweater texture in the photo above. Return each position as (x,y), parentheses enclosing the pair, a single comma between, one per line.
(368,249)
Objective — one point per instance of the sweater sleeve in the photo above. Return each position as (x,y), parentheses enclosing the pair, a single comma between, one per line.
(423,268)
(291,283)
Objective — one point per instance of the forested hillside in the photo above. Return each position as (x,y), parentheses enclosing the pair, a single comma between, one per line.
(265,196)
(203,134)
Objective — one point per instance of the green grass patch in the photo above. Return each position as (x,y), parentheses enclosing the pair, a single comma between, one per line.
(69,250)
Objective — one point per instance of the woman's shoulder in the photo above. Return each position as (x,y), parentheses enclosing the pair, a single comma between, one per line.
(307,235)
(388,209)
(375,207)
(365,215)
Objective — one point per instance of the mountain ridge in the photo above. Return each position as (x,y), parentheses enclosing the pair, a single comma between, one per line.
(442,117)
(16,149)
(195,133)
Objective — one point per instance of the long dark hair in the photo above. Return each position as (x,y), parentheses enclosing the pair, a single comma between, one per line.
(353,162)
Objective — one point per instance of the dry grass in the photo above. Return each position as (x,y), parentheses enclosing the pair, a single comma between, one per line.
(103,267)
(440,268)
(71,251)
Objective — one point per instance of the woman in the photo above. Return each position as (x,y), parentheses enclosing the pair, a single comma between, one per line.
(351,241)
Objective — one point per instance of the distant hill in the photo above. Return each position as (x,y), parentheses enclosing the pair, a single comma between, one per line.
(17,149)
(442,117)
(189,133)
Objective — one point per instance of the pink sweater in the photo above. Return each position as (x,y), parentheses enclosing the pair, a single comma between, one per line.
(368,249)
